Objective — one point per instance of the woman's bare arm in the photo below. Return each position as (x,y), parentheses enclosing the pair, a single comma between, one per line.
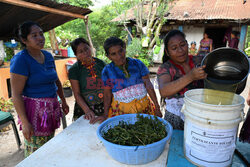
(151,92)
(65,106)
(17,85)
(89,114)
(169,88)
(107,103)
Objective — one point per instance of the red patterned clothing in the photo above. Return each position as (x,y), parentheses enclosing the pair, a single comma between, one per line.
(176,72)
(129,91)
(173,104)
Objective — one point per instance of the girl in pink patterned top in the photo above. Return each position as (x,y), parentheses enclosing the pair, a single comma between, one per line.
(206,45)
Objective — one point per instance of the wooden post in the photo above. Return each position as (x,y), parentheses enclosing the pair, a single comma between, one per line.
(89,37)
(53,42)
(52,39)
(42,8)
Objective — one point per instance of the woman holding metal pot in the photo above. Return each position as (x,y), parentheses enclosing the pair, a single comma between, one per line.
(178,74)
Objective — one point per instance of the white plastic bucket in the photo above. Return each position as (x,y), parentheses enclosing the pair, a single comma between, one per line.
(210,131)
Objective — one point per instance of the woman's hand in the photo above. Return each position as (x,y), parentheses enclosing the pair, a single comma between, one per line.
(99,119)
(158,111)
(65,107)
(197,73)
(89,115)
(28,131)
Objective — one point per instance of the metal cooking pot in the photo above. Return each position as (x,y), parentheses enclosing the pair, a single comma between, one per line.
(227,66)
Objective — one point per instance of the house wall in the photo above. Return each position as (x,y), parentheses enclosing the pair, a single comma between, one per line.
(193,34)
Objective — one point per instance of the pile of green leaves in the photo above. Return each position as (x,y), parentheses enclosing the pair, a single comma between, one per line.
(145,131)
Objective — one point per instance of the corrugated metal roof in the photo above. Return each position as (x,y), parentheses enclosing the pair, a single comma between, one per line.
(200,10)
(209,9)
(11,16)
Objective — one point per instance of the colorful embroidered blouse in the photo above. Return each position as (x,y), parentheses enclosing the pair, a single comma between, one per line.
(90,82)
(176,72)
(205,45)
(114,77)
(126,89)
(192,51)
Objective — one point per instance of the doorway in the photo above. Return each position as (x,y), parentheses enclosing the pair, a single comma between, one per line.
(217,35)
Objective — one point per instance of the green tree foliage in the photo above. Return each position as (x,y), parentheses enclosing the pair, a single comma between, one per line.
(80,3)
(120,6)
(135,50)
(100,25)
(247,43)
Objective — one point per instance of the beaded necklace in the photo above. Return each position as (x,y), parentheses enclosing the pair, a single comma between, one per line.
(90,68)
(124,69)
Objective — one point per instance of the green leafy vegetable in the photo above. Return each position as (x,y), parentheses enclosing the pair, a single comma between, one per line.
(145,131)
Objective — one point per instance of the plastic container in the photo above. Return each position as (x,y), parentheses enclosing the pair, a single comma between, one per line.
(64,52)
(70,52)
(133,154)
(10,45)
(210,130)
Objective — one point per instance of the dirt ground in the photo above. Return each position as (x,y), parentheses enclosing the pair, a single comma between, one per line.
(9,153)
(11,156)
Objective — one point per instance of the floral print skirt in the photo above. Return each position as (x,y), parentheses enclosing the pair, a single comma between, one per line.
(144,105)
(35,143)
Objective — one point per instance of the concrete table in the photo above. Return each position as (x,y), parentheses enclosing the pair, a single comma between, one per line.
(78,145)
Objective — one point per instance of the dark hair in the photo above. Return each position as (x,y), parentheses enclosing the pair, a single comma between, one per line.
(193,42)
(112,41)
(24,29)
(169,35)
(206,33)
(74,44)
(235,33)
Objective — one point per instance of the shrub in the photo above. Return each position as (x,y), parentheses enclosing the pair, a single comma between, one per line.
(135,50)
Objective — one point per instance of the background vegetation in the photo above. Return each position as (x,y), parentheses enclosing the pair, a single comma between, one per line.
(101,27)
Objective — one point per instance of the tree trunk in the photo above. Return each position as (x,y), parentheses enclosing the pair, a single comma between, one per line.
(157,33)
(151,22)
(150,11)
(53,40)
(89,37)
